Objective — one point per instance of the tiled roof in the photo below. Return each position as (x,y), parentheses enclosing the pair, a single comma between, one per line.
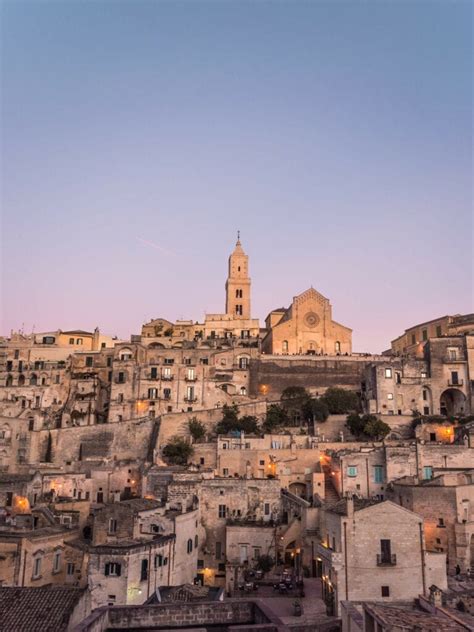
(37,609)
(141,504)
(410,619)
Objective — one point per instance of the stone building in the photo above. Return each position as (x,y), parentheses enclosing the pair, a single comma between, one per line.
(446,504)
(438,384)
(414,339)
(134,547)
(306,327)
(375,552)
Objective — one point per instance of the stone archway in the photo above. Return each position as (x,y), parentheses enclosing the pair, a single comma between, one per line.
(452,402)
(298,489)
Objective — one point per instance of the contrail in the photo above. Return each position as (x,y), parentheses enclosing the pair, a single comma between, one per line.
(155,246)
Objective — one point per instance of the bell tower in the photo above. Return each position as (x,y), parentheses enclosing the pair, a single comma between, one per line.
(237,287)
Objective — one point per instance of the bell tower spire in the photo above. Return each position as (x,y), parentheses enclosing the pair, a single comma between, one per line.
(238,283)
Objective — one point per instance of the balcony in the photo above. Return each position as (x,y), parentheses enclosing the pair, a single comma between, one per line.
(190,379)
(167,378)
(456,382)
(386,560)
(190,400)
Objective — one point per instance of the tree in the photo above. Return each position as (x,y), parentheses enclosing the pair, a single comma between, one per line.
(276,418)
(367,426)
(230,421)
(376,429)
(293,399)
(340,401)
(178,451)
(197,429)
(248,424)
(356,424)
(315,410)
(265,563)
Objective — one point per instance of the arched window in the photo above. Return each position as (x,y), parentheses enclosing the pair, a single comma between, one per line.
(190,546)
(9,381)
(337,346)
(284,346)
(33,380)
(243,390)
(21,380)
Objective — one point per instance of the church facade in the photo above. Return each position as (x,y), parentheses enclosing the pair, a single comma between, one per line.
(306,327)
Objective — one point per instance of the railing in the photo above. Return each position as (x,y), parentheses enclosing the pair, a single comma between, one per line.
(190,379)
(190,400)
(167,378)
(458,382)
(386,560)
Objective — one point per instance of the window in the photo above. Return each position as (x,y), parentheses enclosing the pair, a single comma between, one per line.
(256,552)
(432,436)
(337,346)
(424,334)
(388,373)
(352,471)
(222,511)
(89,361)
(120,398)
(385,551)
(189,546)
(112,525)
(190,393)
(378,474)
(225,471)
(398,377)
(109,362)
(154,372)
(389,396)
(121,377)
(167,393)
(152,393)
(196,541)
(438,331)
(452,353)
(238,310)
(49,340)
(425,395)
(57,562)
(168,361)
(454,377)
(37,567)
(70,568)
(441,524)
(71,341)
(243,363)
(144,570)
(238,294)
(413,339)
(266,509)
(243,553)
(166,373)
(424,374)
(113,569)
(427,472)
(79,341)
(426,410)
(191,375)
(158,561)
(218,550)
(385,591)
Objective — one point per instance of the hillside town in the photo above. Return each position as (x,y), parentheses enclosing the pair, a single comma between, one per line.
(229,474)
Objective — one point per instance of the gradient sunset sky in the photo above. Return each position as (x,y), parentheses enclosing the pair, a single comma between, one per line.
(138,137)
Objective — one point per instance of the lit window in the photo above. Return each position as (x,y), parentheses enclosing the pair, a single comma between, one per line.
(390,396)
(388,373)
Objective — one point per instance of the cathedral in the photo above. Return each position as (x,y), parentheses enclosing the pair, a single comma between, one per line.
(305,327)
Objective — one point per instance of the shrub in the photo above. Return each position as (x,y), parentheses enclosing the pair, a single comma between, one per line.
(230,421)
(376,429)
(178,451)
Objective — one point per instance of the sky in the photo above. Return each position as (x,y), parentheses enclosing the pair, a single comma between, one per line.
(138,137)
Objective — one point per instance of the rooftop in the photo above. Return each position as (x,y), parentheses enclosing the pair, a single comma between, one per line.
(37,609)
